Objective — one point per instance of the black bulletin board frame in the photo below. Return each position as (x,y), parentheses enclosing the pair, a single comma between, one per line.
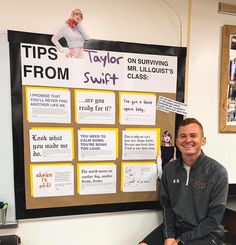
(15,39)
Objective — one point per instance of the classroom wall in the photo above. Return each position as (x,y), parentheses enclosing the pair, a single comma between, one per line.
(142,21)
(203,92)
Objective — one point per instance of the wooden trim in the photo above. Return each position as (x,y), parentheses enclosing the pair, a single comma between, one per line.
(228,33)
(225,8)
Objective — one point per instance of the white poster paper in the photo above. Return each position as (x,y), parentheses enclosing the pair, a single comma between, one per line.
(139,144)
(48,105)
(96,179)
(51,144)
(52,180)
(137,109)
(98,69)
(168,105)
(138,177)
(97,144)
(95,107)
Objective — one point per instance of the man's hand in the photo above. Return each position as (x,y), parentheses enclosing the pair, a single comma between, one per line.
(170,241)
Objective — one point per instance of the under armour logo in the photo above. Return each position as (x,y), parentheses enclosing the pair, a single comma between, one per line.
(176,181)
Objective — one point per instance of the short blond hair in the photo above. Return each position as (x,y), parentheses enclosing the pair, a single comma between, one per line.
(75,11)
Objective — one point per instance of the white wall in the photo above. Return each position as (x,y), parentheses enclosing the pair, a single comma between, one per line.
(100,229)
(203,95)
(142,21)
(150,21)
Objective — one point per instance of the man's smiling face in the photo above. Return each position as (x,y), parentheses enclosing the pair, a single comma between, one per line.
(190,140)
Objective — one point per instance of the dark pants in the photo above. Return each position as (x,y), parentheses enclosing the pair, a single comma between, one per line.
(156,238)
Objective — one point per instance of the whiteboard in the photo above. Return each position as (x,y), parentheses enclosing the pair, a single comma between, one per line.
(6,147)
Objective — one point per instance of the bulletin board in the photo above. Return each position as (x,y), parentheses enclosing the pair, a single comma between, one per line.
(87,132)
